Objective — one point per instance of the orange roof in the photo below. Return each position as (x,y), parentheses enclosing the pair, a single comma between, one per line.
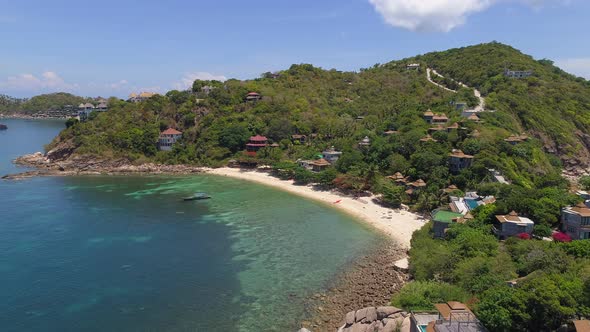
(440,117)
(171,131)
(320,162)
(453,126)
(460,154)
(582,325)
(455,308)
(581,209)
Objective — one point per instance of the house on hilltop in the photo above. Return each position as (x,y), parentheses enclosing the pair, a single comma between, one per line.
(168,138)
(412,66)
(139,97)
(575,221)
(515,139)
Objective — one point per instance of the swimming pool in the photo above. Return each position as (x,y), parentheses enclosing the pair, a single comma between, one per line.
(471,203)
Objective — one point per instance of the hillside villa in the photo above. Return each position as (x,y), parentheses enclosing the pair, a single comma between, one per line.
(365,142)
(84,110)
(469,202)
(331,155)
(253,96)
(515,139)
(168,138)
(451,316)
(575,221)
(517,73)
(433,118)
(512,224)
(412,66)
(459,161)
(443,219)
(138,97)
(256,143)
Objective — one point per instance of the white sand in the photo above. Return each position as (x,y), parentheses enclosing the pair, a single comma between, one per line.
(397,224)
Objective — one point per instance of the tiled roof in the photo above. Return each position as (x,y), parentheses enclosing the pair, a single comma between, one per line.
(171,131)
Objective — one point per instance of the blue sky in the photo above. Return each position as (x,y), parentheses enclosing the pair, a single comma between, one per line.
(110,47)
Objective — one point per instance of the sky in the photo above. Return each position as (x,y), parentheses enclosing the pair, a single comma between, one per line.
(111,48)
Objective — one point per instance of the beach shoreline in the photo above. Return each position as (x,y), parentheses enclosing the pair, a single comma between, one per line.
(396,224)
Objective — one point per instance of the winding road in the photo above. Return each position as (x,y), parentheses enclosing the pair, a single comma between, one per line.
(476,93)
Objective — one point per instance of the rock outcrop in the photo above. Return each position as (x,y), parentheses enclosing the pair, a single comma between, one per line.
(376,319)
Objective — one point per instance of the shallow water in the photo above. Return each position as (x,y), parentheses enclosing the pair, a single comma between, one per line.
(126,253)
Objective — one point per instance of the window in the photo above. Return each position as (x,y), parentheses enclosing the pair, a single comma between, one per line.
(571,230)
(585,221)
(584,235)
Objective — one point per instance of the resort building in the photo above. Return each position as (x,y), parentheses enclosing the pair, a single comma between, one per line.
(437,128)
(256,143)
(517,73)
(575,221)
(298,138)
(412,66)
(331,155)
(433,118)
(414,187)
(585,196)
(428,115)
(319,165)
(460,105)
(512,224)
(168,138)
(449,317)
(473,117)
(398,178)
(469,202)
(440,119)
(390,132)
(138,97)
(452,127)
(458,161)
(581,325)
(497,176)
(253,96)
(206,90)
(365,142)
(84,110)
(428,138)
(515,139)
(443,219)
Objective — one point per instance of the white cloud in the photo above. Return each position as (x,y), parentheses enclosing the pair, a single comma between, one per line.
(577,66)
(439,15)
(48,80)
(118,85)
(187,80)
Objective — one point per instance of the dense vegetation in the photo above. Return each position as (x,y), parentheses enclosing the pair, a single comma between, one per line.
(551,280)
(41,103)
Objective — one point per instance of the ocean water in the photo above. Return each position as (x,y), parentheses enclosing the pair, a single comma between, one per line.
(100,253)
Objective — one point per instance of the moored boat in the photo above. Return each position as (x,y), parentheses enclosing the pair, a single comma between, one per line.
(3,126)
(197,196)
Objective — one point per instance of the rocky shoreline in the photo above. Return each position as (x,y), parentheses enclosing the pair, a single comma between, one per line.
(45,165)
(369,281)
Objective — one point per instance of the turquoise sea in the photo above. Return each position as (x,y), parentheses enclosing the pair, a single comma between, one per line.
(127,254)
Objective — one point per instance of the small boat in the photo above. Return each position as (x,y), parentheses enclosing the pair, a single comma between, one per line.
(196,197)
(3,126)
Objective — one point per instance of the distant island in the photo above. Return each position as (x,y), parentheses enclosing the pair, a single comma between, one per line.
(489,142)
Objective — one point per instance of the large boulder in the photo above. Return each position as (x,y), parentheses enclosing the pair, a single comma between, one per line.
(350,318)
(384,312)
(370,316)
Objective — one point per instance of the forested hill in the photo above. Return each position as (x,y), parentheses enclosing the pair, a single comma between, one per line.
(52,102)
(334,108)
(552,105)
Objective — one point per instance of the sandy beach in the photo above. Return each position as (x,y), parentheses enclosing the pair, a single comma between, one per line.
(397,224)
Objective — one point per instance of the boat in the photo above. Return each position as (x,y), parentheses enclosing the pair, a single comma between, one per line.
(3,126)
(196,197)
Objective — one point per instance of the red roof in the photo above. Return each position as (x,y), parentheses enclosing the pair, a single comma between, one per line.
(258,138)
(171,131)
